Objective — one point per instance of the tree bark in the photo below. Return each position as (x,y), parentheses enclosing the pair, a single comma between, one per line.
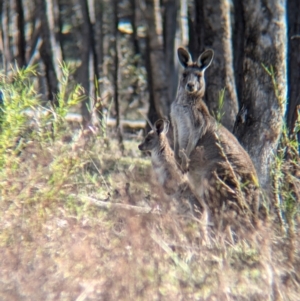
(259,123)
(20,34)
(133,19)
(213,30)
(5,35)
(50,50)
(158,74)
(184,26)
(152,112)
(170,27)
(116,73)
(293,63)
(85,60)
(99,34)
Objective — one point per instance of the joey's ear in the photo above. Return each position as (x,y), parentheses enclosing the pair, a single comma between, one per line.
(183,56)
(205,59)
(162,126)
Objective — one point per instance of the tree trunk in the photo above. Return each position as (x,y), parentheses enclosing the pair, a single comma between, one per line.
(259,123)
(116,72)
(213,30)
(152,112)
(94,71)
(99,34)
(293,63)
(135,44)
(184,26)
(84,67)
(134,35)
(20,34)
(170,27)
(158,74)
(50,50)
(5,35)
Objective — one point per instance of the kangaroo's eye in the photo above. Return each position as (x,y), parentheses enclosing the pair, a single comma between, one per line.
(184,75)
(198,76)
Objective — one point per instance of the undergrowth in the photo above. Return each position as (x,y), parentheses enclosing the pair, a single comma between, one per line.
(71,228)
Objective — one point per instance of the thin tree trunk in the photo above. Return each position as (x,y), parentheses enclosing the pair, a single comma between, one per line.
(50,51)
(20,34)
(293,63)
(86,53)
(59,21)
(184,26)
(170,26)
(99,34)
(135,40)
(116,72)
(55,47)
(5,35)
(157,59)
(260,120)
(94,71)
(213,30)
(152,112)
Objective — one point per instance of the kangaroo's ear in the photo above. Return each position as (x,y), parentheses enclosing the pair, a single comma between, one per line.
(162,126)
(205,59)
(183,56)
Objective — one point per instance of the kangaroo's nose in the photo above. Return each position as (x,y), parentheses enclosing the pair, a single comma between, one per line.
(190,87)
(140,147)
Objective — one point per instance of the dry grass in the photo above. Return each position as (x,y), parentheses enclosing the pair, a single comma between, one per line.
(56,245)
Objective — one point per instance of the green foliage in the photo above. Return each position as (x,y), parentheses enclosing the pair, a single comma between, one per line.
(19,96)
(281,99)
(220,113)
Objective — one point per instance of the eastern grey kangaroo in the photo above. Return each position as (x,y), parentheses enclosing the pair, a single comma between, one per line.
(191,88)
(169,175)
(219,170)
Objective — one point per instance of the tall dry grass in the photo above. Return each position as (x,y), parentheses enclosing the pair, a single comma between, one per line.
(58,243)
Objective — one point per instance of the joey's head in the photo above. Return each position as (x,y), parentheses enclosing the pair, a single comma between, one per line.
(192,78)
(155,136)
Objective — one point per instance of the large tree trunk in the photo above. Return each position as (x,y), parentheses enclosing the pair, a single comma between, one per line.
(259,123)
(293,62)
(213,30)
(157,62)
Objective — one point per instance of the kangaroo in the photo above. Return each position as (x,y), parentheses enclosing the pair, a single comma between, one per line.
(219,170)
(168,173)
(191,88)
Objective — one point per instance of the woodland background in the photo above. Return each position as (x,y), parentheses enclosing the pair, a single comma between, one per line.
(125,55)
(82,217)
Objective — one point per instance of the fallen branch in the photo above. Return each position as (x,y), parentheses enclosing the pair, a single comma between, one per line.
(109,205)
(111,122)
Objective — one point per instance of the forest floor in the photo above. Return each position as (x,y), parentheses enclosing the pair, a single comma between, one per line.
(82,220)
(57,243)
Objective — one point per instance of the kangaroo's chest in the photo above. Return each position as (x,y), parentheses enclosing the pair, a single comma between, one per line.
(181,116)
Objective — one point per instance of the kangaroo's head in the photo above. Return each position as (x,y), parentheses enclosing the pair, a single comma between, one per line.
(192,78)
(154,137)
